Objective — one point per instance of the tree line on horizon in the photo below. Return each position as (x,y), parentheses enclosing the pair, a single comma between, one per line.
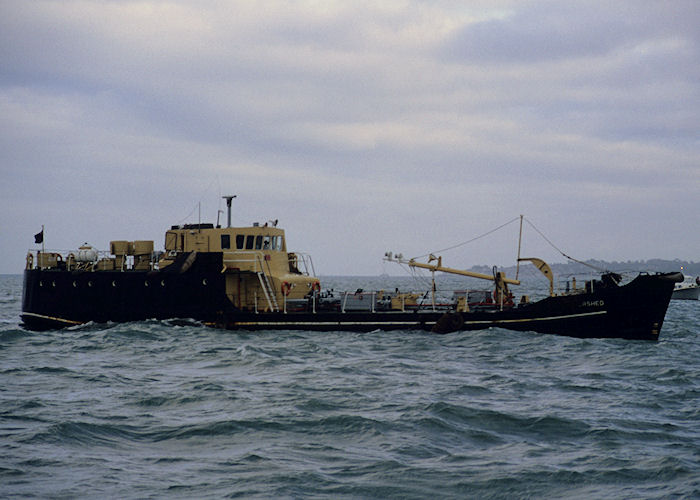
(688,268)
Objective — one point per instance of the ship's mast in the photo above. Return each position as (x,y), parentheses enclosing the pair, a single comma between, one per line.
(520,240)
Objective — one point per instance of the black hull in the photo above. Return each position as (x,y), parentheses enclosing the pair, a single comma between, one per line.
(56,298)
(634,311)
(59,298)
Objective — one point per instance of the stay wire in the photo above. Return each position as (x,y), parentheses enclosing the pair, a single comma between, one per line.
(469,241)
(561,252)
(418,278)
(199,202)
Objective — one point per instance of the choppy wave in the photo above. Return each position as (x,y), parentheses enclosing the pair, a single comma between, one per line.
(156,409)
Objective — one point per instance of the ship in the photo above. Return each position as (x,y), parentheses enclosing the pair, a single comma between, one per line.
(246,278)
(688,290)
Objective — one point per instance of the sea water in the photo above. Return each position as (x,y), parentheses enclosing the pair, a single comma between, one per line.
(160,409)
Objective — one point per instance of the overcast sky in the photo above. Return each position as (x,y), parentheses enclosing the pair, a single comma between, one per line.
(362,126)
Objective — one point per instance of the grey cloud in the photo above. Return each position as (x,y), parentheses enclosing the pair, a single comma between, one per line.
(554,30)
(366,119)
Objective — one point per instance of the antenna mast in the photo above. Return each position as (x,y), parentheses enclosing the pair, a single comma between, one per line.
(228,206)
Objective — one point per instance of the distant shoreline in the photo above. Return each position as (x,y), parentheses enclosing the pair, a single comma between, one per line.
(652,265)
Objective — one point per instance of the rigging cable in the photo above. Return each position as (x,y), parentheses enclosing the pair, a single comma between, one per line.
(558,250)
(469,241)
(198,205)
(415,274)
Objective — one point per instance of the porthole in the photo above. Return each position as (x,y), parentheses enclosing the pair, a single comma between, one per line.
(162,282)
(90,284)
(75,284)
(53,284)
(204,282)
(145,283)
(41,283)
(114,284)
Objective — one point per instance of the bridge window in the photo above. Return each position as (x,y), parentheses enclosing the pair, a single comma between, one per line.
(258,242)
(240,239)
(225,241)
(250,240)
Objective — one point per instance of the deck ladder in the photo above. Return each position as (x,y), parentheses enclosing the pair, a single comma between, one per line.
(270,294)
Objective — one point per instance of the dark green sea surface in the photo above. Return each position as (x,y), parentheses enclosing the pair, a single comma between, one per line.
(176,410)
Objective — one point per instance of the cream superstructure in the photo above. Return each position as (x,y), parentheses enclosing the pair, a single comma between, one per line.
(260,273)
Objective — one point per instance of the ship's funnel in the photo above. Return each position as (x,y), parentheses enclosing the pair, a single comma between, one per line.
(228,206)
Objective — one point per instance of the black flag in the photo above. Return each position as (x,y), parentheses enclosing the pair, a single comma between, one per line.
(39,237)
